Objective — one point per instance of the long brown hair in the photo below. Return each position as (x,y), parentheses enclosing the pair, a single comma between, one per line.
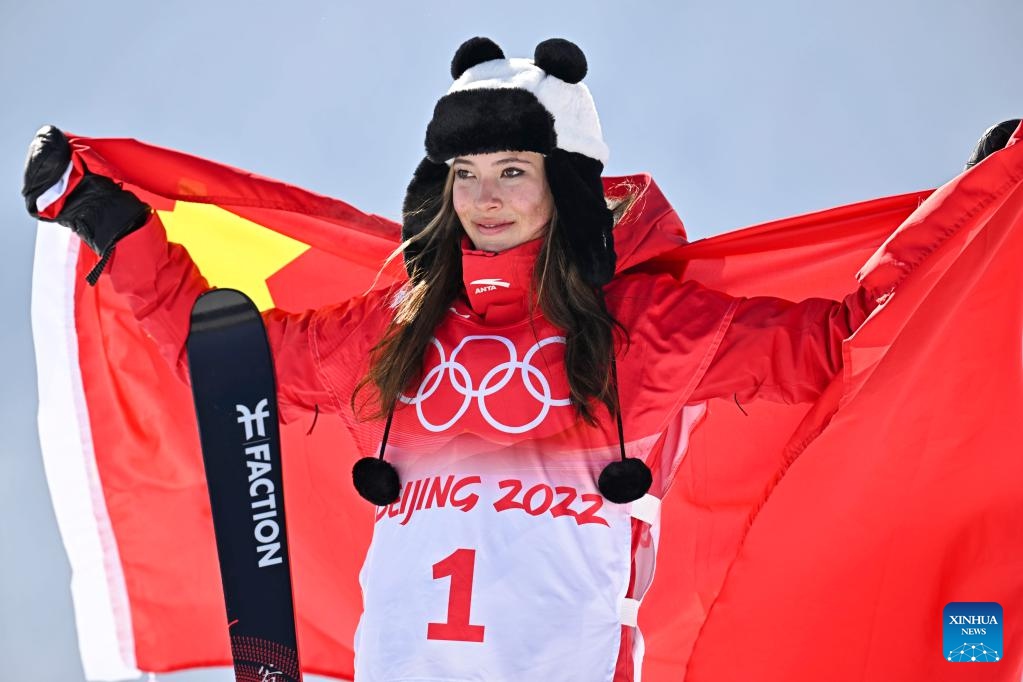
(576,308)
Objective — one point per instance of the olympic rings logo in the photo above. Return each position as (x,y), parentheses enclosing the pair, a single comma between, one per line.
(493,381)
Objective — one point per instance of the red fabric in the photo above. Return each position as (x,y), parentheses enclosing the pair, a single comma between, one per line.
(758,576)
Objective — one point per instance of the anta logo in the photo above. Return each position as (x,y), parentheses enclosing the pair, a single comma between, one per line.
(489,284)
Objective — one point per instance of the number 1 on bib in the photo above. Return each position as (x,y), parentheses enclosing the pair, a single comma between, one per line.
(460,567)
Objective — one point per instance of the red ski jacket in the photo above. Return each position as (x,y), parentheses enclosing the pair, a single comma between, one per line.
(687,343)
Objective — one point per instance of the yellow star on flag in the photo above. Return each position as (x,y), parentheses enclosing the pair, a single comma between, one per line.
(231,251)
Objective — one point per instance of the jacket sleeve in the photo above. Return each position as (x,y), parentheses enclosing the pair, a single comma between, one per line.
(161,283)
(780,350)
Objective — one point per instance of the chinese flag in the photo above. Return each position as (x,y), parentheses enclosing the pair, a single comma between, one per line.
(800,542)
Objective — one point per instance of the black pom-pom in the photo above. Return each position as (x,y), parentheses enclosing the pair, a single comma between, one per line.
(626,480)
(472,52)
(561,58)
(376,480)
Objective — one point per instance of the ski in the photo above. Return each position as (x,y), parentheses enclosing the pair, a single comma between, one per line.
(236,407)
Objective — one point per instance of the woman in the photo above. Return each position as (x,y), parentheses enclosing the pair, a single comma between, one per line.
(506,382)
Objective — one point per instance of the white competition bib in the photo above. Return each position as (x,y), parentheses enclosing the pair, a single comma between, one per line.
(506,566)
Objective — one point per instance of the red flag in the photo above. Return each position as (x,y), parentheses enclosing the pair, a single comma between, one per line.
(909,497)
(800,542)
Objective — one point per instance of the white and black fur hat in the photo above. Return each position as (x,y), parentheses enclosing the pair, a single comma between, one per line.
(538,105)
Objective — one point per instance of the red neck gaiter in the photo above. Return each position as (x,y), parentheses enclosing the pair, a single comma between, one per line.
(497,285)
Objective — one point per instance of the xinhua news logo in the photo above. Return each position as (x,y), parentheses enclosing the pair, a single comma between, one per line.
(972,632)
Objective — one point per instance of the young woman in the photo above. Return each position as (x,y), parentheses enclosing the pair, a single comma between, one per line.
(524,399)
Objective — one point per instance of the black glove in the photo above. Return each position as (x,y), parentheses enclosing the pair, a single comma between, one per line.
(97,209)
(993,139)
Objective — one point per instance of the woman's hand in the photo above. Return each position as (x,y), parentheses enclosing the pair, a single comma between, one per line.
(59,187)
(993,139)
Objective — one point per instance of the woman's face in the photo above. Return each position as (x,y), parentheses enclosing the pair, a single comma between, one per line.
(502,199)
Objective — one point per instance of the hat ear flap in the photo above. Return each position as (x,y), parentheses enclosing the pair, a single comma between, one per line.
(583,215)
(423,200)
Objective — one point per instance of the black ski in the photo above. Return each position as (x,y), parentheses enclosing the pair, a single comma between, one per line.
(236,406)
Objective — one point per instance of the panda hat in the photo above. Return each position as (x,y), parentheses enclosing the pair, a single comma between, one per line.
(538,105)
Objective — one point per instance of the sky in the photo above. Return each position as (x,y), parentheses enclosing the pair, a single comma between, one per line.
(743,112)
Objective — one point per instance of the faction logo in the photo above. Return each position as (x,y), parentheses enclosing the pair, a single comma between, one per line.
(972,632)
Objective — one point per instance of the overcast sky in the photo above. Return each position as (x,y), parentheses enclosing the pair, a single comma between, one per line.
(742,111)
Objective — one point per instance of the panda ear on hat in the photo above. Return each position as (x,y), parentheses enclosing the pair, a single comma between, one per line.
(472,52)
(556,56)
(562,59)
